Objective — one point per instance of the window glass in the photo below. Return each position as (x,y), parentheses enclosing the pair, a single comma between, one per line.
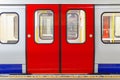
(76,26)
(72,29)
(8,28)
(44,26)
(111,27)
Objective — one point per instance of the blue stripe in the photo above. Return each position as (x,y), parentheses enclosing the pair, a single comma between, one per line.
(109,68)
(10,68)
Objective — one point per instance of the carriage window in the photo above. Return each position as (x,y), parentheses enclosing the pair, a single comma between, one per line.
(44,26)
(111,28)
(8,28)
(76,26)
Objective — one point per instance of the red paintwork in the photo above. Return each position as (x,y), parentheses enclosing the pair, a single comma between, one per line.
(42,58)
(75,58)
(78,58)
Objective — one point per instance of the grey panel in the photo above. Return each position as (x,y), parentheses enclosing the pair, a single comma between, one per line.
(14,53)
(60,2)
(105,53)
(90,1)
(30,1)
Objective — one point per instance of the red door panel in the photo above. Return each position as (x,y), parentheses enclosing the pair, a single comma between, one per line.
(42,58)
(78,57)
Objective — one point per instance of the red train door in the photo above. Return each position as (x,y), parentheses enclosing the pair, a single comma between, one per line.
(77,38)
(42,38)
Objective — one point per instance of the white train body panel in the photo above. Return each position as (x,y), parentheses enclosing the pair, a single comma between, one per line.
(12,53)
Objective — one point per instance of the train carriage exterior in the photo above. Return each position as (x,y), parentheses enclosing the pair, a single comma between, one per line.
(43,37)
(12,40)
(107,39)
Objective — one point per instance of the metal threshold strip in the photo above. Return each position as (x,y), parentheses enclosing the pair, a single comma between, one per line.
(60,77)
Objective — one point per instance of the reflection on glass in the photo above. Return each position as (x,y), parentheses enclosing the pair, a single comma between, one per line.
(8,28)
(111,27)
(76,26)
(46,26)
(72,29)
(117,26)
(44,32)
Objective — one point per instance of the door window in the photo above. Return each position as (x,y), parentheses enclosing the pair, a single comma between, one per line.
(76,26)
(44,31)
(111,27)
(9,28)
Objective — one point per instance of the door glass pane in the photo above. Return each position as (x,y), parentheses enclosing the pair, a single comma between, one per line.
(44,26)
(72,29)
(8,28)
(111,27)
(76,26)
